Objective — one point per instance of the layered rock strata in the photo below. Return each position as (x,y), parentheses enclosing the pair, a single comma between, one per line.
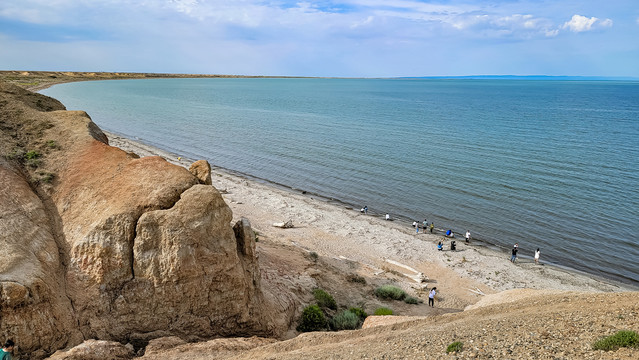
(101,244)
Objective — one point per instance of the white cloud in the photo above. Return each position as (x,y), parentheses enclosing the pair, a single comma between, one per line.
(580,23)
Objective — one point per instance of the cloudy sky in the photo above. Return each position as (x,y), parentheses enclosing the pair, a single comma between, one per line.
(368,38)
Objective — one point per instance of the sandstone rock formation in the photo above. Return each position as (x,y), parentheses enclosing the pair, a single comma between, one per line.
(202,170)
(100,244)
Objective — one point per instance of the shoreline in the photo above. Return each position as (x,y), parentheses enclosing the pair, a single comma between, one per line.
(404,224)
(340,231)
(401,224)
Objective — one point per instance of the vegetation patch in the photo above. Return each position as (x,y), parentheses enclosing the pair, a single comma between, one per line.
(354,278)
(623,338)
(45,177)
(390,292)
(383,311)
(345,320)
(359,312)
(457,346)
(324,299)
(312,319)
(313,255)
(52,144)
(413,300)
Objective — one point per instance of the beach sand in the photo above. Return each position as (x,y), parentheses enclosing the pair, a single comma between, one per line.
(379,246)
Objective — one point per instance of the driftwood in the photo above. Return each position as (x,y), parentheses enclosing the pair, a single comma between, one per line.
(286,225)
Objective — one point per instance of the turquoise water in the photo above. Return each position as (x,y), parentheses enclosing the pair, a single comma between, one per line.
(548,164)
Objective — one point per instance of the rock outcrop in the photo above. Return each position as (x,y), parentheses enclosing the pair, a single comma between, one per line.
(202,170)
(109,246)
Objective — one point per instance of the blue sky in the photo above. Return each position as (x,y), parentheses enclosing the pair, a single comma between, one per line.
(356,38)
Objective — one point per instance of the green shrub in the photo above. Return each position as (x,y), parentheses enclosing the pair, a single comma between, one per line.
(359,312)
(457,346)
(390,292)
(623,338)
(324,299)
(383,311)
(413,300)
(32,155)
(312,319)
(345,320)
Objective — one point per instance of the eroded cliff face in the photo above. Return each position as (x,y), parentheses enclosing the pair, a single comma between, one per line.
(102,244)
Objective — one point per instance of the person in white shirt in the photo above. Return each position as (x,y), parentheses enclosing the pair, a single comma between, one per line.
(537,256)
(431,297)
(467,236)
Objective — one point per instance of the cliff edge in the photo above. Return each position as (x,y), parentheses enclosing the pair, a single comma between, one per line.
(101,244)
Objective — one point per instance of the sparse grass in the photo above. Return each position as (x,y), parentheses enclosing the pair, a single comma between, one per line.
(457,346)
(413,300)
(312,319)
(390,292)
(46,177)
(623,338)
(33,158)
(345,320)
(356,279)
(383,311)
(313,255)
(52,144)
(324,299)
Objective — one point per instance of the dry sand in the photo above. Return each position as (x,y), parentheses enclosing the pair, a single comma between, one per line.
(379,246)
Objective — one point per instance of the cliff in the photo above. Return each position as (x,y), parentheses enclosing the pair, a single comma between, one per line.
(101,244)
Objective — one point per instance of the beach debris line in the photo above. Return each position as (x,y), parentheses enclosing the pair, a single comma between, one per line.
(284,225)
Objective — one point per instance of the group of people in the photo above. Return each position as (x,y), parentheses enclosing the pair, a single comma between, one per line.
(515,249)
(424,226)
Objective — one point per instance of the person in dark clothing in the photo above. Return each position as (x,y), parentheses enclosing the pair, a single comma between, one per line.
(513,257)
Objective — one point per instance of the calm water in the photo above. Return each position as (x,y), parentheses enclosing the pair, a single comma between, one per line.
(548,164)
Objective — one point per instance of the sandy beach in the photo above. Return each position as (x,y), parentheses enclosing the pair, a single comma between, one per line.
(381,246)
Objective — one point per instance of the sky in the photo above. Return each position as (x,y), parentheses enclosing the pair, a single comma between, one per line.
(350,38)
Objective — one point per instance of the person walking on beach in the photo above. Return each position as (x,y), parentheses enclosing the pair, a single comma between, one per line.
(513,257)
(431,297)
(365,210)
(7,349)
(425,224)
(431,227)
(537,256)
(387,216)
(467,236)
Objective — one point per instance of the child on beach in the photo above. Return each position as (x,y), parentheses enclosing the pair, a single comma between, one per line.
(440,247)
(431,227)
(537,256)
(467,236)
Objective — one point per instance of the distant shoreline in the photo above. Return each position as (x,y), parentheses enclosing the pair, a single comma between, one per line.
(40,80)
